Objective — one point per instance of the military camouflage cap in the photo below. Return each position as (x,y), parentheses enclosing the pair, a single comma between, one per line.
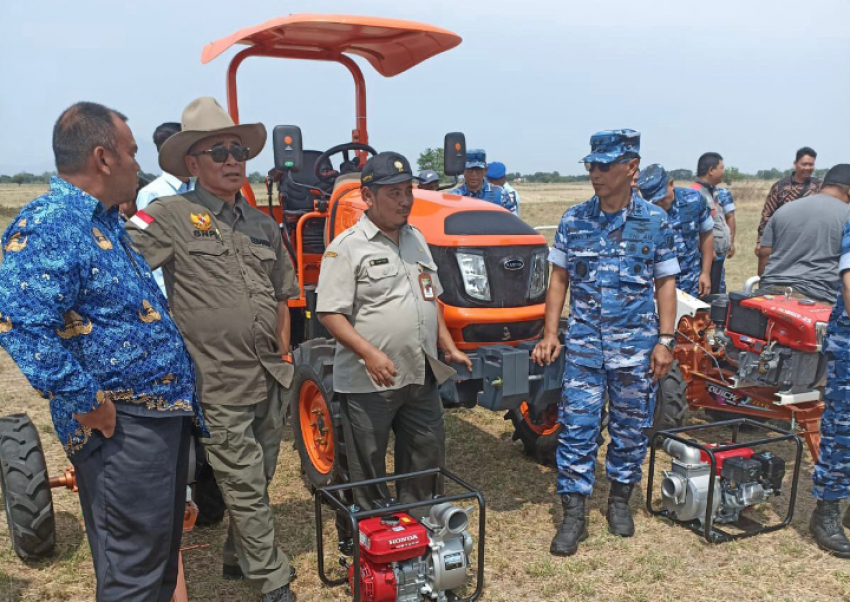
(608,146)
(476,158)
(652,183)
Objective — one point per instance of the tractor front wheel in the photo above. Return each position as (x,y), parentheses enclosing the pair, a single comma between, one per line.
(315,415)
(540,441)
(26,488)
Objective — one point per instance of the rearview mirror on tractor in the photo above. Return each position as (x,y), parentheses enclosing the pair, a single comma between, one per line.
(454,154)
(288,155)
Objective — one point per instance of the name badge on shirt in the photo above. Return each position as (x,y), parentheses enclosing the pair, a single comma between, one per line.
(427,287)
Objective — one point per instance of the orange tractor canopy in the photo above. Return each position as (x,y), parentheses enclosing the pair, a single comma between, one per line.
(492,264)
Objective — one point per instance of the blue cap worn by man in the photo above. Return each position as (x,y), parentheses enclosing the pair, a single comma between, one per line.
(497,175)
(429,180)
(475,186)
(616,251)
(691,219)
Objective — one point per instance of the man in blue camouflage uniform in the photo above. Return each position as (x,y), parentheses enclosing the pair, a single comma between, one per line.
(727,203)
(832,471)
(82,316)
(691,219)
(476,186)
(618,252)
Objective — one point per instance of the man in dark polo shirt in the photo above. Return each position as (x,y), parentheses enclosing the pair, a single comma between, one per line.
(802,241)
(228,279)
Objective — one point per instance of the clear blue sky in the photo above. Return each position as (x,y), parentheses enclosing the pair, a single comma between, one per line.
(753,80)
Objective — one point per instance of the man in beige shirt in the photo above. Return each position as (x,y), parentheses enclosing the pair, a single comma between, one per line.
(228,279)
(377,295)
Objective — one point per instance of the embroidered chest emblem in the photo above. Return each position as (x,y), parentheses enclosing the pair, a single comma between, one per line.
(5,324)
(75,325)
(148,314)
(101,240)
(201,221)
(16,243)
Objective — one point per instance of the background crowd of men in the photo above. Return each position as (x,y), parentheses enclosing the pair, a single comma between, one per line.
(168,319)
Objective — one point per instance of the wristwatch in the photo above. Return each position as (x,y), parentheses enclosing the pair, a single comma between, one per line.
(668,340)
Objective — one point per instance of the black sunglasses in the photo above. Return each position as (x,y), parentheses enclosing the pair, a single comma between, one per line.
(219,153)
(603,167)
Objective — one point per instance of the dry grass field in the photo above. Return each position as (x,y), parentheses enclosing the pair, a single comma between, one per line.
(662,563)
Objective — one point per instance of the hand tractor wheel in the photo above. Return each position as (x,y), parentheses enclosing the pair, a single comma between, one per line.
(540,441)
(315,413)
(26,488)
(671,402)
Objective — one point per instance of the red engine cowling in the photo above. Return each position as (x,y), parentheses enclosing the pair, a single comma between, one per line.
(383,540)
(792,323)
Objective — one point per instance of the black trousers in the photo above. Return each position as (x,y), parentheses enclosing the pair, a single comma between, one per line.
(415,414)
(716,275)
(133,493)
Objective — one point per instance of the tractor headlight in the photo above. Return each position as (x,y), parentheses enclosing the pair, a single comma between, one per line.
(473,270)
(537,283)
(820,333)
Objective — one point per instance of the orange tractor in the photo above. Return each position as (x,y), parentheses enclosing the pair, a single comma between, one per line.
(492,265)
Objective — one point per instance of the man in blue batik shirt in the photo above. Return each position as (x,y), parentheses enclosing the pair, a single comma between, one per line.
(476,186)
(618,253)
(691,218)
(84,320)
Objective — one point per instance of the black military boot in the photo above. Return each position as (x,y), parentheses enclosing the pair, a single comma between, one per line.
(619,514)
(827,531)
(846,520)
(573,528)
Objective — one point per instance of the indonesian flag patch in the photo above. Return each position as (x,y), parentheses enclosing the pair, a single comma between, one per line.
(141,219)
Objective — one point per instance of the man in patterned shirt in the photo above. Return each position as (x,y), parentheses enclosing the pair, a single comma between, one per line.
(615,254)
(84,320)
(800,183)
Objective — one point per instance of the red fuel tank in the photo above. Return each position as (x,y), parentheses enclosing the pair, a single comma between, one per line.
(392,538)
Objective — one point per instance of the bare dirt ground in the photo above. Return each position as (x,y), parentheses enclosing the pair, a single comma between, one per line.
(663,562)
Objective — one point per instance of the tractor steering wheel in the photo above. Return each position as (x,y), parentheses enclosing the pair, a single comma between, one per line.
(339,148)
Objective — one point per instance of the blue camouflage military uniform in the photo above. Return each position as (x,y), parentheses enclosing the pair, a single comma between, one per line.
(82,316)
(689,217)
(832,470)
(724,198)
(477,159)
(612,262)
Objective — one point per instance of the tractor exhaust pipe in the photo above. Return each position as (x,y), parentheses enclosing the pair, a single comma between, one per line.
(751,284)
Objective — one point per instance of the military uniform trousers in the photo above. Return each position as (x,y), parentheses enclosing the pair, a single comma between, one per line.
(242,449)
(631,401)
(133,494)
(415,414)
(832,471)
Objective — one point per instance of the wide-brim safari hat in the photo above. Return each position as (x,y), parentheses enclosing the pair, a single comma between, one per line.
(202,118)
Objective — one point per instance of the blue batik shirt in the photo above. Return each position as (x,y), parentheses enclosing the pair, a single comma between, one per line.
(490,193)
(613,262)
(689,217)
(837,341)
(83,318)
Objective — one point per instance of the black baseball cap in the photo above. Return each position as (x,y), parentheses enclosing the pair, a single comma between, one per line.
(840,174)
(386,168)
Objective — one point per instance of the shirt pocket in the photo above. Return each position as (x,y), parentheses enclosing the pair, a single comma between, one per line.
(261,261)
(209,262)
(583,268)
(637,264)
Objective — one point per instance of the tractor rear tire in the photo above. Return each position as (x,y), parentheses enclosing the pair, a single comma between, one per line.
(26,488)
(316,415)
(671,402)
(538,441)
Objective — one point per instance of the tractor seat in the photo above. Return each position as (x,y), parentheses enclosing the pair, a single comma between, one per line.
(297,198)
(353,176)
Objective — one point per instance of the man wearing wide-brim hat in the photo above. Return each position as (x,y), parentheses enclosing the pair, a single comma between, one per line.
(228,279)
